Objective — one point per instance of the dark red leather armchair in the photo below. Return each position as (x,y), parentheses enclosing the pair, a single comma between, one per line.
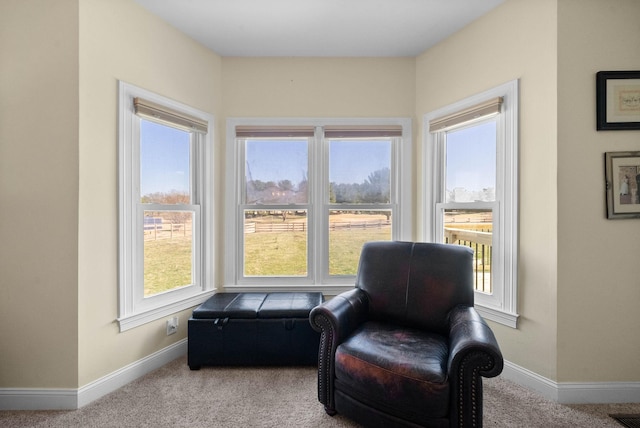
(406,347)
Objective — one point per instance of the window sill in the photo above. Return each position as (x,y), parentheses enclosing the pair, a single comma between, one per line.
(135,320)
(326,289)
(499,316)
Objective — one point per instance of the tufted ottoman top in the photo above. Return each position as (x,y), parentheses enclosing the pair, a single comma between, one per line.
(258,305)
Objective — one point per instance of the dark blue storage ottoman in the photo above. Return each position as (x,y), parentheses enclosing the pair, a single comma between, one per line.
(254,329)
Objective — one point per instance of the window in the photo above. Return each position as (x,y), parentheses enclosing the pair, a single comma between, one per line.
(472,181)
(166,218)
(308,193)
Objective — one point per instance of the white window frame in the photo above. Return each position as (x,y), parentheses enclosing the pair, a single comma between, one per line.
(316,280)
(133,308)
(501,305)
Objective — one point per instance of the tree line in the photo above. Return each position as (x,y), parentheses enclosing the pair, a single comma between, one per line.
(174,197)
(376,188)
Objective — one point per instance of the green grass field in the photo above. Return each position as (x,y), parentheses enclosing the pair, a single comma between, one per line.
(285,253)
(167,264)
(275,254)
(345,247)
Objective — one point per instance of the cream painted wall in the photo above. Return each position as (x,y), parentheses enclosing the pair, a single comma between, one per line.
(517,40)
(319,87)
(598,274)
(120,40)
(38,193)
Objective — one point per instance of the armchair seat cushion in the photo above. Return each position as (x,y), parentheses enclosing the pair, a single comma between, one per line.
(384,363)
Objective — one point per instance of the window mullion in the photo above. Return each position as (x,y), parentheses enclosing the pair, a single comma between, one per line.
(168,207)
(239,189)
(394,189)
(136,227)
(318,169)
(195,168)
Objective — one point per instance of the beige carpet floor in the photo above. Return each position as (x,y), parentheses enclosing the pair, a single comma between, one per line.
(174,396)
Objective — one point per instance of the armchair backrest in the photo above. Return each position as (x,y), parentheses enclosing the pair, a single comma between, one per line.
(415,284)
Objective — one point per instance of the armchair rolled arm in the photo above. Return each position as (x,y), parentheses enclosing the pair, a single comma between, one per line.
(343,313)
(335,319)
(474,353)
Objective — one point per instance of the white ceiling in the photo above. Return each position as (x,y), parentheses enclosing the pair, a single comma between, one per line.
(325,28)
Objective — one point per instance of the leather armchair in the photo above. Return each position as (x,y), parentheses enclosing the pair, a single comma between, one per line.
(405,347)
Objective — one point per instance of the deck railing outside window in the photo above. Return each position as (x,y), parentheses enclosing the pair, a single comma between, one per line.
(481,244)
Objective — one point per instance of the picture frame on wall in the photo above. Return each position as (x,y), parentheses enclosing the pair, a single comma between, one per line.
(617,100)
(622,177)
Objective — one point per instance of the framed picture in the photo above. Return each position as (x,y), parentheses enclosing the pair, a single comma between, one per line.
(618,100)
(622,175)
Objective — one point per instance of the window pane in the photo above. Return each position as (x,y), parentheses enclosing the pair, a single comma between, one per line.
(359,171)
(276,171)
(471,164)
(474,229)
(275,243)
(348,231)
(168,251)
(164,164)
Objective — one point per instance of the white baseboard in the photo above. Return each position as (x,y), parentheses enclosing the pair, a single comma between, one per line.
(600,392)
(573,392)
(123,376)
(38,399)
(70,399)
(524,377)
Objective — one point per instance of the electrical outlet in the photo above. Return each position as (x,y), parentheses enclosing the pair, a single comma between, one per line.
(172,326)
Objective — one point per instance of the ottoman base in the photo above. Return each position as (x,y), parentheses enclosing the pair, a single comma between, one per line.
(254,329)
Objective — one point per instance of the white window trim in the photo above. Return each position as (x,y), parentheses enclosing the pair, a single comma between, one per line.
(402,182)
(500,307)
(133,310)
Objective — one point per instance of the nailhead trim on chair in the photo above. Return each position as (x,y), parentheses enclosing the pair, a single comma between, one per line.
(324,369)
(475,375)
